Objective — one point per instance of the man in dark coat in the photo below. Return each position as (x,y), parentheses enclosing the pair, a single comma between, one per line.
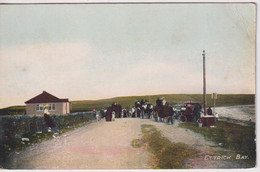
(170,118)
(158,102)
(150,110)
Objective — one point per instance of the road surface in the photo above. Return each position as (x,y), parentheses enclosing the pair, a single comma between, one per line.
(107,145)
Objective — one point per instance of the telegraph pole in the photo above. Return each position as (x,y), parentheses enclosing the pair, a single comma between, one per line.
(204,82)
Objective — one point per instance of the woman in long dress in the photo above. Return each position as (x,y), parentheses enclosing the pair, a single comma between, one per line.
(109,114)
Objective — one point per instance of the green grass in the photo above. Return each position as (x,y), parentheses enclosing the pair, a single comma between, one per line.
(12,110)
(163,153)
(128,101)
(235,137)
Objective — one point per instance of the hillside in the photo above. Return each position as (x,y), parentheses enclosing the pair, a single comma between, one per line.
(128,101)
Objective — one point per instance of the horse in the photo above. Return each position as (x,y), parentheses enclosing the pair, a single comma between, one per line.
(163,111)
(158,108)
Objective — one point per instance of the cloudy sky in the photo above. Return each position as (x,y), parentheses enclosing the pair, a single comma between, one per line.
(94,51)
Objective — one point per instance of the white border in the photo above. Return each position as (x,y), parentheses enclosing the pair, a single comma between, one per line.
(165,1)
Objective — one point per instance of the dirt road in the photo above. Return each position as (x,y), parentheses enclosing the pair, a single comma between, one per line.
(106,145)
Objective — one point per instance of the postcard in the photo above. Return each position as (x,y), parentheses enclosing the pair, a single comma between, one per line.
(127,85)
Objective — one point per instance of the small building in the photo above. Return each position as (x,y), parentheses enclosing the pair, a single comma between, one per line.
(54,105)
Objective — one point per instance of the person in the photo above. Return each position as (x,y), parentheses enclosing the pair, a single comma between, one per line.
(142,102)
(49,122)
(209,111)
(138,112)
(158,102)
(46,111)
(108,114)
(94,113)
(97,116)
(133,112)
(188,112)
(170,118)
(113,115)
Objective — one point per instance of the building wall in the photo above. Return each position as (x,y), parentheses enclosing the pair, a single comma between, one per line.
(60,108)
(66,107)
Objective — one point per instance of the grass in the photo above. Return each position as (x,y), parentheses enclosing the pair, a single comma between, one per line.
(12,110)
(128,101)
(235,137)
(163,153)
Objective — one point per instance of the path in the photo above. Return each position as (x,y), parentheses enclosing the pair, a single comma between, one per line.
(106,145)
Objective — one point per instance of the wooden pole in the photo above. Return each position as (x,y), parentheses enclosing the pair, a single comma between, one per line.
(204,82)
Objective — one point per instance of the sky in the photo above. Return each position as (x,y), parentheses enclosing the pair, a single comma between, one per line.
(95,51)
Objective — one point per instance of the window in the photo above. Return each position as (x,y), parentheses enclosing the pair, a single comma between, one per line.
(39,107)
(53,106)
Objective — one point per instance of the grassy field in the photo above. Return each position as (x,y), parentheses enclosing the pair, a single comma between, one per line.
(127,102)
(234,137)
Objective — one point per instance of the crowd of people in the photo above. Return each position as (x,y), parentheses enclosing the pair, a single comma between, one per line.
(161,111)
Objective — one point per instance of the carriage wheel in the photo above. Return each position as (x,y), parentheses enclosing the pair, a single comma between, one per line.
(183,118)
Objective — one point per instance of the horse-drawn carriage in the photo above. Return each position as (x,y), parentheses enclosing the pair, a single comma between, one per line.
(191,112)
(163,111)
(184,111)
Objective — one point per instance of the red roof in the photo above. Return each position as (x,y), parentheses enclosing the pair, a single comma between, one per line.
(45,97)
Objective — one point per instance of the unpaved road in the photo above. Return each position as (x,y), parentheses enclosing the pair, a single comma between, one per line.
(106,145)
(242,112)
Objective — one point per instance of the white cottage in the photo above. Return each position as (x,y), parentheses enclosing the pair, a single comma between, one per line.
(55,105)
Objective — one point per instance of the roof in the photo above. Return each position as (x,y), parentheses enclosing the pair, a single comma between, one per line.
(45,97)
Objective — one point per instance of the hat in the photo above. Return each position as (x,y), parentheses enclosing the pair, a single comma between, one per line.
(188,105)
